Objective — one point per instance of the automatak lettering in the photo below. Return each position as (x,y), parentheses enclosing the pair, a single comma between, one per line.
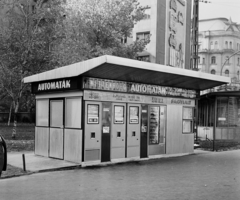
(54,85)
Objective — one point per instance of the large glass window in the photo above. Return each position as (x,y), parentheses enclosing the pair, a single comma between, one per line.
(42,111)
(154,125)
(228,112)
(187,120)
(73,110)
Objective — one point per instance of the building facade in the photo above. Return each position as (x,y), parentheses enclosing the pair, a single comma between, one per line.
(219,53)
(167,23)
(218,40)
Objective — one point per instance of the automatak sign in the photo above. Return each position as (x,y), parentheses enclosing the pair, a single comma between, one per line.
(138,88)
(55,85)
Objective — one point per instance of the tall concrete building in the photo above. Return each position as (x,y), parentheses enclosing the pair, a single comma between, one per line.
(168,24)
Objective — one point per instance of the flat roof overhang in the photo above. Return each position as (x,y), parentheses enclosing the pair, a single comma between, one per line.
(221,94)
(122,69)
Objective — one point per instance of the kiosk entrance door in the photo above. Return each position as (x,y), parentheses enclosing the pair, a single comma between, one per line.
(133,130)
(93,123)
(56,128)
(118,130)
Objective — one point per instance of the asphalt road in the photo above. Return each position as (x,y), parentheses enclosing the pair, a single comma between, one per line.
(205,176)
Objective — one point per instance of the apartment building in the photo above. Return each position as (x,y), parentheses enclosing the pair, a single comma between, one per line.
(219,47)
(167,23)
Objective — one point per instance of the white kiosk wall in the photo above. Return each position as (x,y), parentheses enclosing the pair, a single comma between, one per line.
(58,131)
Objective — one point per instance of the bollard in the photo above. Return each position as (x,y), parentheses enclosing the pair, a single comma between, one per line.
(24,164)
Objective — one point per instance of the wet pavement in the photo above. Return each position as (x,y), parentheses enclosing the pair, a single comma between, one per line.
(204,176)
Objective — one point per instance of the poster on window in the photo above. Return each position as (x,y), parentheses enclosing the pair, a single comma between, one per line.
(187,126)
(154,125)
(134,115)
(118,114)
(187,113)
(93,114)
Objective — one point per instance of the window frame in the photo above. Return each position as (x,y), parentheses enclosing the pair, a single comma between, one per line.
(97,105)
(191,120)
(213,70)
(213,60)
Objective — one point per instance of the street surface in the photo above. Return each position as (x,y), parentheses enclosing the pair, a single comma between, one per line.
(205,176)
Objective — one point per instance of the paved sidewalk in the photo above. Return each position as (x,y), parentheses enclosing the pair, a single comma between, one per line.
(36,163)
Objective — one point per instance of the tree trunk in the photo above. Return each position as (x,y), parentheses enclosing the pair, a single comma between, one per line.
(10,114)
(14,131)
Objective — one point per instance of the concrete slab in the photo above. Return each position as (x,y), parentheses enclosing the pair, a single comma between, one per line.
(36,163)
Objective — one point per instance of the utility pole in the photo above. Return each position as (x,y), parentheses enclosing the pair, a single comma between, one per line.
(194,46)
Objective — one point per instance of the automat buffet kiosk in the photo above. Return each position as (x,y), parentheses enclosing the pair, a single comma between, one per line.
(111,109)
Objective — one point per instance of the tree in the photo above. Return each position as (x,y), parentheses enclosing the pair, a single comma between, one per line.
(96,27)
(25,38)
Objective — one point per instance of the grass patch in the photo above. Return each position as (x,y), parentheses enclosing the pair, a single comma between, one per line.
(24,131)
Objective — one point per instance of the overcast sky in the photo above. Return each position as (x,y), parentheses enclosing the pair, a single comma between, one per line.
(220,8)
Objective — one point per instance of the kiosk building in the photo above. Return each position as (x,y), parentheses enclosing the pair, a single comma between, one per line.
(111,109)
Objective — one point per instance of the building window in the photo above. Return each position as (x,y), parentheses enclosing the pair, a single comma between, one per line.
(199,46)
(143,36)
(213,60)
(216,45)
(230,44)
(238,62)
(226,44)
(238,75)
(147,13)
(144,58)
(124,40)
(213,71)
(203,61)
(227,60)
(227,73)
(198,60)
(211,45)
(187,120)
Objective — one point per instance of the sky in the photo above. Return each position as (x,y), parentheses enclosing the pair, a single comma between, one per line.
(220,8)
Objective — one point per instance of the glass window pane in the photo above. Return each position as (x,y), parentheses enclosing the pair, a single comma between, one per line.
(73,112)
(118,114)
(222,112)
(93,114)
(42,112)
(154,125)
(187,126)
(134,115)
(187,113)
(56,113)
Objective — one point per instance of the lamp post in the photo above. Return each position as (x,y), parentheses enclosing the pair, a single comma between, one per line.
(227,59)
